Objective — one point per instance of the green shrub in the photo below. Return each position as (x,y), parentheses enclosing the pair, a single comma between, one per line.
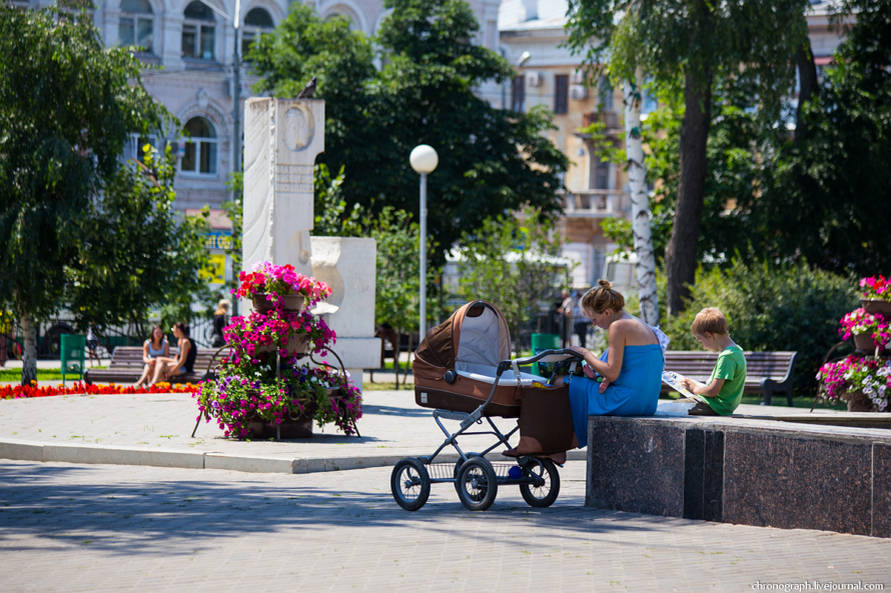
(770,307)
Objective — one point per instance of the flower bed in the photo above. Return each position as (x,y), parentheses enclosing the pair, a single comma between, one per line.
(79,388)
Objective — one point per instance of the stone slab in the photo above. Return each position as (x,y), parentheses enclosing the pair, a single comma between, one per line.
(881,490)
(789,481)
(639,468)
(751,472)
(122,456)
(21,450)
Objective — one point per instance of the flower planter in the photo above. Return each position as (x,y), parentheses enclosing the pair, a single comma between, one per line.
(296,345)
(865,343)
(876,306)
(290,302)
(299,428)
(858,402)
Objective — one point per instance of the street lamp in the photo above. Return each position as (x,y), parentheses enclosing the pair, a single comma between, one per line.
(423,160)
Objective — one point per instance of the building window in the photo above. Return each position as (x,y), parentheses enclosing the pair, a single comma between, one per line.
(136,144)
(518,94)
(201,147)
(198,32)
(561,93)
(136,26)
(605,94)
(256,21)
(599,177)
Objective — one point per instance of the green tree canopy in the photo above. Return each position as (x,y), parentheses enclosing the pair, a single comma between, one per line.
(691,46)
(67,107)
(490,160)
(831,202)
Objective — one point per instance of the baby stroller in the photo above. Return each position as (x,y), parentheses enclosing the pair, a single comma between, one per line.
(459,370)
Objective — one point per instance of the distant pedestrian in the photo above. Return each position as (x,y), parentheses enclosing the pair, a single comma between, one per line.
(220,321)
(582,323)
(92,345)
(565,312)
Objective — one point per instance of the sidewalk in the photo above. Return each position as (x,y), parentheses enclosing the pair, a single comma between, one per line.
(155,429)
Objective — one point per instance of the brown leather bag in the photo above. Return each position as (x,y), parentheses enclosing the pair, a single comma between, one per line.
(545,422)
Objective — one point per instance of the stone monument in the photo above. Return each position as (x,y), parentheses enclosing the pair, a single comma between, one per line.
(282,139)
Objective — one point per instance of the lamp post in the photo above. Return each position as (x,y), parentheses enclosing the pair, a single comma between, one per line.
(423,160)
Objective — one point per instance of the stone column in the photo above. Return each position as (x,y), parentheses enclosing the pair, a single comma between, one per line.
(281,140)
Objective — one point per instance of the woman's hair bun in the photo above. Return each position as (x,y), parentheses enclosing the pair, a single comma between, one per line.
(605,283)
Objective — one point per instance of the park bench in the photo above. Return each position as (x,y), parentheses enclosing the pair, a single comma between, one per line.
(126,366)
(767,373)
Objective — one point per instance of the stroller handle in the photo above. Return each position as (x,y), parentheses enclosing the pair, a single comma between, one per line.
(565,352)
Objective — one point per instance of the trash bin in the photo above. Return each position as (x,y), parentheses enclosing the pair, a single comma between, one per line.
(72,348)
(540,343)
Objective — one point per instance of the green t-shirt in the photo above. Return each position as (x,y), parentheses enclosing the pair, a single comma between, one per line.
(731,367)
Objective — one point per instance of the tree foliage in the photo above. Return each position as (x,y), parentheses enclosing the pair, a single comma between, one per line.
(135,252)
(692,46)
(67,107)
(513,262)
(831,202)
(772,307)
(774,194)
(490,160)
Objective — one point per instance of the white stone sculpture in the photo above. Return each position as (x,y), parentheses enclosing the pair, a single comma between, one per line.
(282,139)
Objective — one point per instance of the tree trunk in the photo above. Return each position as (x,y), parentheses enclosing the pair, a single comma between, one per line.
(640,203)
(809,87)
(681,253)
(29,351)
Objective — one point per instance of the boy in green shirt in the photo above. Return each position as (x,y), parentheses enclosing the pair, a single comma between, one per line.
(723,393)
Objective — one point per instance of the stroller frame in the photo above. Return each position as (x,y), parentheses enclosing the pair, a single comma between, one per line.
(477,479)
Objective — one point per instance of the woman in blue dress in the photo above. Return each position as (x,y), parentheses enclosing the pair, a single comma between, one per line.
(630,369)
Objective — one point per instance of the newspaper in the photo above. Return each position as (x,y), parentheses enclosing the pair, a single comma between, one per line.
(673,380)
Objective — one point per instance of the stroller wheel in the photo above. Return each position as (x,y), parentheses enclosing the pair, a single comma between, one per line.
(458,465)
(410,484)
(544,486)
(477,484)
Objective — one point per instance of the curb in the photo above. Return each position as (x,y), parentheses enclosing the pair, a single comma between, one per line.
(96,454)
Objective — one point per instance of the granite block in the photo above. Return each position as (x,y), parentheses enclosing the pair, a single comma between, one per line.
(694,456)
(881,490)
(713,476)
(782,480)
(636,465)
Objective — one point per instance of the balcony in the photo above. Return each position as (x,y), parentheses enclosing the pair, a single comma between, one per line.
(609,119)
(596,203)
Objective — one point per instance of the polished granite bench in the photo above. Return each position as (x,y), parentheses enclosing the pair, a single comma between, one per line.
(751,469)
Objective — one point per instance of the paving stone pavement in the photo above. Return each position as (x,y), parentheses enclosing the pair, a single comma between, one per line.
(67,527)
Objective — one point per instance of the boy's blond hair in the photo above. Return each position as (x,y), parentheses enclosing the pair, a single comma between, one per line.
(710,320)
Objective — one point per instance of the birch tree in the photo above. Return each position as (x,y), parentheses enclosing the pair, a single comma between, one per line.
(640,202)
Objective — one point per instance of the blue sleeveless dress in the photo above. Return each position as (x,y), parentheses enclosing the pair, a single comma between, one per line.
(634,393)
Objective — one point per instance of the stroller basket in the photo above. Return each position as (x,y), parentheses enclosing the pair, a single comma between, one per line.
(447,471)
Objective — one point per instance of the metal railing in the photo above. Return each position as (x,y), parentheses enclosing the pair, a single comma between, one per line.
(596,203)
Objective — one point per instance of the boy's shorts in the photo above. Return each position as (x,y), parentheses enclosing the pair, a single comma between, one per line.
(700,409)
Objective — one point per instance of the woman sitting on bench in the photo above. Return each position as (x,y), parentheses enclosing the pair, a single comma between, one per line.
(154,348)
(184,362)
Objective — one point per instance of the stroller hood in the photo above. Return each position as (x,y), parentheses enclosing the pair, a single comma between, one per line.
(474,339)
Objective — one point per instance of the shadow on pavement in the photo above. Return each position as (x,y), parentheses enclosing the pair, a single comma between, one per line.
(40,503)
